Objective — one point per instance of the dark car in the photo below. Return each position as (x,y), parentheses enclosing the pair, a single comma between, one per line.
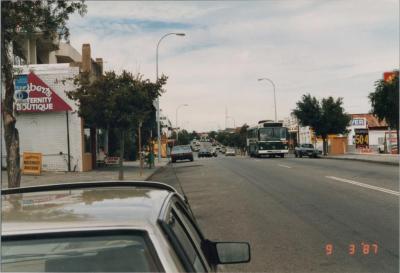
(129,226)
(204,152)
(306,150)
(181,152)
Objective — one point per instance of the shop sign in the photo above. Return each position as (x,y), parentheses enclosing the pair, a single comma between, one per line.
(32,163)
(389,76)
(358,122)
(33,95)
(361,138)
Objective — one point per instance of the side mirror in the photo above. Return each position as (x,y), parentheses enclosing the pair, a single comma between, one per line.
(232,253)
(228,252)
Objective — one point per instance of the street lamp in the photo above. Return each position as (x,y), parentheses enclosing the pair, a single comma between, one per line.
(158,99)
(273,85)
(176,119)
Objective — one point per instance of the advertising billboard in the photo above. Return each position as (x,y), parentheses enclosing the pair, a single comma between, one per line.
(33,95)
(361,138)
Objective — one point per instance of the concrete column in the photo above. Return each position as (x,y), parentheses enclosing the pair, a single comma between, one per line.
(99,62)
(32,51)
(52,57)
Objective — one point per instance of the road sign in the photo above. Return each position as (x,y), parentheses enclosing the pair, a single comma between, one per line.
(32,163)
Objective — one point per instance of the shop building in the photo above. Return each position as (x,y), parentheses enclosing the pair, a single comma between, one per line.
(368,134)
(47,121)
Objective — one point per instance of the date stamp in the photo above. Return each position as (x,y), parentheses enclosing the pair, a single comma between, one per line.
(364,249)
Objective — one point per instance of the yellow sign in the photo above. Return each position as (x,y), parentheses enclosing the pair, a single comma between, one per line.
(32,163)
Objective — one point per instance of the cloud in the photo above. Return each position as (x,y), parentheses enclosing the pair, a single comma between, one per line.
(336,48)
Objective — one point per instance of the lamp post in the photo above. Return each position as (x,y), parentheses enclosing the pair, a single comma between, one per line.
(176,119)
(273,85)
(158,99)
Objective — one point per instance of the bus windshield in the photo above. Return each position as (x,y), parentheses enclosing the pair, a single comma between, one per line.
(276,133)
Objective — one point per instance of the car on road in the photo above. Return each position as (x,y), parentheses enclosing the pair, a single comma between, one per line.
(119,226)
(204,152)
(230,152)
(223,149)
(181,152)
(214,152)
(307,150)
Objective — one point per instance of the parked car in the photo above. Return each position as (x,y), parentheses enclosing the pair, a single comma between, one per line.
(230,152)
(204,152)
(196,148)
(223,149)
(114,226)
(306,150)
(214,152)
(181,152)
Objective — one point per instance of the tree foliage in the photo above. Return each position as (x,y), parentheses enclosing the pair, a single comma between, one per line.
(385,102)
(25,19)
(324,117)
(116,101)
(233,139)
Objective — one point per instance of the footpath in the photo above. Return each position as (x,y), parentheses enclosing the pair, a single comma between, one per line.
(388,159)
(108,173)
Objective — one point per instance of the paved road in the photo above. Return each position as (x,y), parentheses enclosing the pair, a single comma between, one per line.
(290,209)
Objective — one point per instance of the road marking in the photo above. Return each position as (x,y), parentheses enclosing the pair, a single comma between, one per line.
(284,166)
(364,185)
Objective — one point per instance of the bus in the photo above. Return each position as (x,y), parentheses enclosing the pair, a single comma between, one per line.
(267,138)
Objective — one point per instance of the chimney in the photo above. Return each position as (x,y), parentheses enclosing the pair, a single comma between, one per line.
(86,58)
(99,62)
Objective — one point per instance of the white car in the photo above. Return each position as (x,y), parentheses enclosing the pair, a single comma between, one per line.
(230,152)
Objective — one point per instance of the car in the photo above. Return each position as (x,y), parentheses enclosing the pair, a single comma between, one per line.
(214,152)
(307,150)
(118,226)
(204,152)
(181,152)
(223,149)
(230,152)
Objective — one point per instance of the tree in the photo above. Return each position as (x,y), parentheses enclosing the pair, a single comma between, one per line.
(194,135)
(117,102)
(26,18)
(212,134)
(325,117)
(183,137)
(385,102)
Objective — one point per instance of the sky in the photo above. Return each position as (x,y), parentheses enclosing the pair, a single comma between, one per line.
(325,48)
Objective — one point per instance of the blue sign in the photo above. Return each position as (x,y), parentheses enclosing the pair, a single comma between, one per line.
(21,87)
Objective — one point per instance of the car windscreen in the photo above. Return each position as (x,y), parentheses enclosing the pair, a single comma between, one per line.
(307,146)
(102,253)
(181,149)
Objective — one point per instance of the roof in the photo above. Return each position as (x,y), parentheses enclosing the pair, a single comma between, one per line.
(102,206)
(372,120)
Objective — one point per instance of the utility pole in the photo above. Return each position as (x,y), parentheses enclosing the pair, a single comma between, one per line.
(140,148)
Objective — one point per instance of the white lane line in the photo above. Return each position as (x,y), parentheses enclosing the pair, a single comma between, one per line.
(284,166)
(364,185)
